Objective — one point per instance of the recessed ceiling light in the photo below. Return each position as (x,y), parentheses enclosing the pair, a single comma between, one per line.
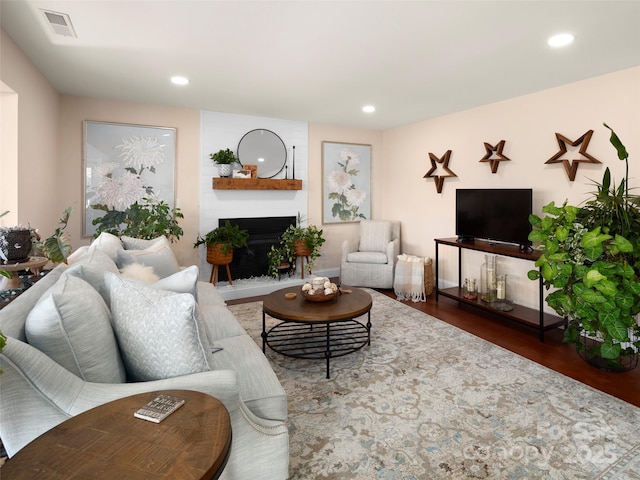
(560,40)
(368,109)
(177,80)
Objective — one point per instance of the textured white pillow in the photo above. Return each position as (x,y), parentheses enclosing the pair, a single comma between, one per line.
(161,334)
(72,325)
(159,256)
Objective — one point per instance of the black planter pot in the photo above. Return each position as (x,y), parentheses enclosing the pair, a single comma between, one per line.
(589,350)
(18,245)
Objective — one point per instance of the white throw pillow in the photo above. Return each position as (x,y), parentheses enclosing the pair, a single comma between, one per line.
(184,281)
(161,334)
(107,243)
(72,325)
(159,256)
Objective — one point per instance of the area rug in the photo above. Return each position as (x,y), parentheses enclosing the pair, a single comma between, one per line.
(430,401)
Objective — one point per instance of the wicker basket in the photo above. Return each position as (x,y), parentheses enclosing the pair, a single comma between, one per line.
(428,276)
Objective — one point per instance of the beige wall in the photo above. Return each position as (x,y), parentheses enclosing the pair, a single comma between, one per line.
(39,178)
(74,110)
(528,125)
(335,233)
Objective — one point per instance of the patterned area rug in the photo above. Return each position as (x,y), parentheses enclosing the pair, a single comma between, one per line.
(429,401)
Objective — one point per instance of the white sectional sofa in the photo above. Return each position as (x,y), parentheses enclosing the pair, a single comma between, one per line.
(86,334)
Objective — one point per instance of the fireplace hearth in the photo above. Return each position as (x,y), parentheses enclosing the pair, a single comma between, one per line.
(252,260)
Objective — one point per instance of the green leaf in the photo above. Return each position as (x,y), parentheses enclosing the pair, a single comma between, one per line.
(592,296)
(615,141)
(593,277)
(562,233)
(610,350)
(533,274)
(623,245)
(537,236)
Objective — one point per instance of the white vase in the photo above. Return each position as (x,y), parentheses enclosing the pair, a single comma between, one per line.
(224,169)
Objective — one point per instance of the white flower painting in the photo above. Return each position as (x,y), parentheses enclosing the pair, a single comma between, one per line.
(124,164)
(346,182)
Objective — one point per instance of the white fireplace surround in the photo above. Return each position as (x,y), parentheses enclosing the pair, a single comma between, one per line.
(220,131)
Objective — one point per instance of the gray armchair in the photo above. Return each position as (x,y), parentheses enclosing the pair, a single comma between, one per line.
(369,260)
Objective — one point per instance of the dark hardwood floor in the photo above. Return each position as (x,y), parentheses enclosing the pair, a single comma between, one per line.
(552,353)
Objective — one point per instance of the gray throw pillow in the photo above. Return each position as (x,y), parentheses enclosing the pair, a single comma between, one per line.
(132,243)
(159,256)
(72,325)
(91,268)
(161,334)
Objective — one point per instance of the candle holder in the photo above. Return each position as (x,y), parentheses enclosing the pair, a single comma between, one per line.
(501,302)
(488,279)
(469,290)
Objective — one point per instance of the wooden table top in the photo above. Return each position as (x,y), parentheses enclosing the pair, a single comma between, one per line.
(108,442)
(29,263)
(342,307)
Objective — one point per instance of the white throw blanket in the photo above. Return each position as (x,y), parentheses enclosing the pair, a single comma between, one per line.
(408,283)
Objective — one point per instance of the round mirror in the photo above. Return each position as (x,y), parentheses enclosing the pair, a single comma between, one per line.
(265,149)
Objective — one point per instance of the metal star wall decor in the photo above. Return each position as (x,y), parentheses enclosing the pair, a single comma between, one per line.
(494,162)
(571,166)
(439,179)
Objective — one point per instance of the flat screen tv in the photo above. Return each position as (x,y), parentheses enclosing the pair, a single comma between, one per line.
(494,214)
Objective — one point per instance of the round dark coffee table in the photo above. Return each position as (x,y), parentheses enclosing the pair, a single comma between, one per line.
(110,443)
(316,330)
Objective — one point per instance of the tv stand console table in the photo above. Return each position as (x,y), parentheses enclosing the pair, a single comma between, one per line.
(535,318)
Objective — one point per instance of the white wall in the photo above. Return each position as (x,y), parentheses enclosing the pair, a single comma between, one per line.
(528,125)
(221,131)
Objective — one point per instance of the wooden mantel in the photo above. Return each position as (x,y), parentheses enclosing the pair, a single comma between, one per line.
(256,184)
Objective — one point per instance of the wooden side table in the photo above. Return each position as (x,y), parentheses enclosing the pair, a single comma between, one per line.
(32,263)
(108,442)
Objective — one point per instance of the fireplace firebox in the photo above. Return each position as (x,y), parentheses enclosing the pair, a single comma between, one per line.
(252,261)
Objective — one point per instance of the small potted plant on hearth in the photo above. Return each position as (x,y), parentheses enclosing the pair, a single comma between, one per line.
(280,260)
(220,243)
(305,242)
(224,159)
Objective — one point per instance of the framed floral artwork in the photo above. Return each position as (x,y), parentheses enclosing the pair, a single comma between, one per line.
(124,164)
(346,182)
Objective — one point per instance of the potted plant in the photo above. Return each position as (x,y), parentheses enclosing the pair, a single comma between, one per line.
(224,159)
(280,260)
(146,219)
(304,242)
(56,248)
(220,243)
(591,256)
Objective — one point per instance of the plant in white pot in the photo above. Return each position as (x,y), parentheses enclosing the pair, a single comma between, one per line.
(224,159)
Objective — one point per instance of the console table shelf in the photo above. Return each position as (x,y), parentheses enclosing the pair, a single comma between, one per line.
(256,184)
(535,318)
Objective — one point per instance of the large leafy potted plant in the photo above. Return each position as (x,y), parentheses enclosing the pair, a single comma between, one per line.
(591,256)
(224,159)
(145,219)
(220,243)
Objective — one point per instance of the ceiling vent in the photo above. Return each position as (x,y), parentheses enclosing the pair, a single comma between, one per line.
(60,23)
